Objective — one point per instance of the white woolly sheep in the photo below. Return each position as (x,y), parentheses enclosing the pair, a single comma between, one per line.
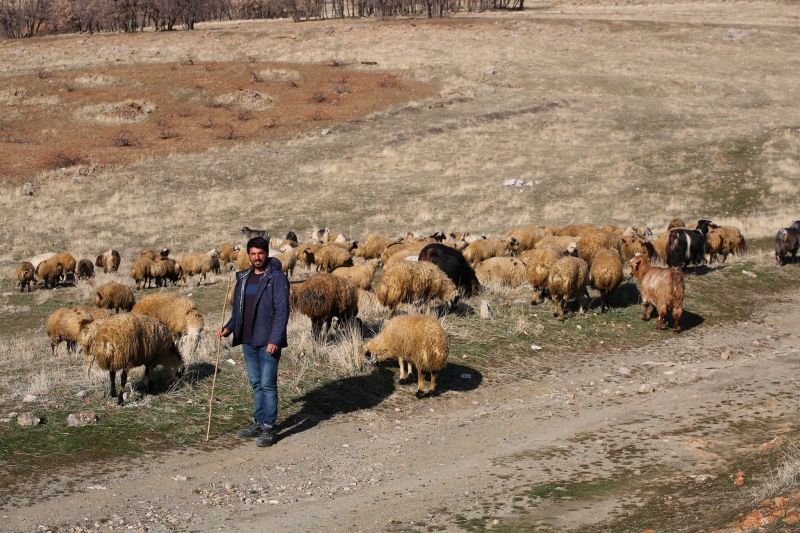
(140,272)
(483,249)
(179,313)
(501,271)
(25,273)
(114,296)
(35,260)
(325,296)
(65,325)
(606,274)
(527,237)
(538,263)
(50,271)
(567,279)
(418,340)
(123,342)
(418,281)
(360,275)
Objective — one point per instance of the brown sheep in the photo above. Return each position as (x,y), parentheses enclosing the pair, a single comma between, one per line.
(288,261)
(568,279)
(328,257)
(228,254)
(675,223)
(65,325)
(361,275)
(96,312)
(527,237)
(501,271)
(629,246)
(25,272)
(179,313)
(483,249)
(551,231)
(199,263)
(660,246)
(50,272)
(414,247)
(407,254)
(662,287)
(576,230)
(538,263)
(85,269)
(724,241)
(606,274)
(325,296)
(108,261)
(566,243)
(68,262)
(373,246)
(123,342)
(412,339)
(415,281)
(140,272)
(594,240)
(243,260)
(114,296)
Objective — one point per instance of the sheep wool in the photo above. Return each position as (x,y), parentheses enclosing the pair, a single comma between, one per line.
(675,223)
(606,274)
(527,237)
(630,245)
(199,263)
(114,296)
(415,339)
(402,255)
(374,245)
(415,281)
(35,260)
(330,257)
(409,248)
(65,325)
(140,272)
(483,249)
(123,342)
(228,254)
(68,262)
(242,260)
(501,271)
(360,275)
(85,269)
(568,279)
(96,312)
(660,246)
(562,242)
(594,240)
(50,271)
(724,241)
(179,313)
(538,263)
(325,296)
(288,261)
(25,272)
(576,230)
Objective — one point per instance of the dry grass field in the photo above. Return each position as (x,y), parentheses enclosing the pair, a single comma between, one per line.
(625,114)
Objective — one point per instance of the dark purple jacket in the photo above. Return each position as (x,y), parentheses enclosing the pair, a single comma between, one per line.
(271,307)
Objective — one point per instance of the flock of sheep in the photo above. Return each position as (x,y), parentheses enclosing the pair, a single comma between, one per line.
(439,268)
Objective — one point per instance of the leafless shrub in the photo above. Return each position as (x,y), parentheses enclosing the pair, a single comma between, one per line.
(292,84)
(208,125)
(256,77)
(123,140)
(63,160)
(271,124)
(319,98)
(164,130)
(244,116)
(69,87)
(251,59)
(41,73)
(785,476)
(188,61)
(228,134)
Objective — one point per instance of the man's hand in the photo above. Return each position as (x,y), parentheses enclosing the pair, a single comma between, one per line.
(272,348)
(224,332)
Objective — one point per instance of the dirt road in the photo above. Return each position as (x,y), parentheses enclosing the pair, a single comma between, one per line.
(494,455)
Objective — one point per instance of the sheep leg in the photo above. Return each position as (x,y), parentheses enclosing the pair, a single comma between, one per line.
(403,375)
(53,347)
(71,347)
(584,302)
(112,375)
(432,389)
(420,383)
(123,380)
(316,327)
(536,299)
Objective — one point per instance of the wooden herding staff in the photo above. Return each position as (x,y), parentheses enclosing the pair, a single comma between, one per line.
(216,364)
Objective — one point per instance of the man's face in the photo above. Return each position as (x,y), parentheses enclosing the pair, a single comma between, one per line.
(258,257)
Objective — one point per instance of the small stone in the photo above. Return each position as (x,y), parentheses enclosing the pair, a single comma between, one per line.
(81,393)
(489,90)
(535,347)
(29,398)
(725,356)
(509,183)
(646,388)
(83,418)
(624,371)
(274,502)
(486,311)
(570,395)
(579,327)
(180,478)
(489,72)
(28,419)
(228,486)
(100,394)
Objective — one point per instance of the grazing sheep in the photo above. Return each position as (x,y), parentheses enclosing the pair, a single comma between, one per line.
(527,237)
(140,272)
(251,233)
(325,296)
(611,228)
(148,254)
(199,263)
(675,223)
(288,261)
(50,272)
(576,230)
(594,240)
(243,260)
(483,249)
(418,340)
(35,260)
(567,279)
(538,263)
(373,246)
(605,274)
(114,296)
(179,313)
(452,263)
(320,236)
(562,242)
(551,231)
(68,262)
(414,247)
(502,271)
(663,287)
(787,242)
(417,281)
(361,275)
(402,255)
(724,241)
(25,272)
(65,325)
(108,261)
(641,232)
(227,254)
(96,312)
(158,271)
(123,342)
(660,246)
(329,257)
(85,269)
(631,245)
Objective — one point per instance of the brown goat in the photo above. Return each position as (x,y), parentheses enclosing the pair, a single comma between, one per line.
(663,287)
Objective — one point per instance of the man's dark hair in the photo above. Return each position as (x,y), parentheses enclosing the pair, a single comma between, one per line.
(258,242)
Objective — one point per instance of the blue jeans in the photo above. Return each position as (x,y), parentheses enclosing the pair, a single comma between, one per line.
(262,370)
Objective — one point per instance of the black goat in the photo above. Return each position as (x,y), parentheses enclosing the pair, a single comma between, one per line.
(687,246)
(787,242)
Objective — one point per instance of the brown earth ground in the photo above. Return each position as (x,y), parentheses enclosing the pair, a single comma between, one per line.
(490,458)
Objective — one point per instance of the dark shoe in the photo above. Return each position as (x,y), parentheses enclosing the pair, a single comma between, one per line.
(252,431)
(268,437)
